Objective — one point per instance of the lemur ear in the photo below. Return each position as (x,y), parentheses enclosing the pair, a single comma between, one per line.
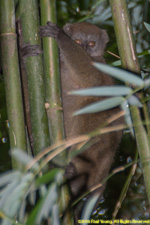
(104,37)
(67,28)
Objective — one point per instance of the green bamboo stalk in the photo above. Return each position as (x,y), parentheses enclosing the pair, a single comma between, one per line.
(53,94)
(34,69)
(52,78)
(125,35)
(10,68)
(129,60)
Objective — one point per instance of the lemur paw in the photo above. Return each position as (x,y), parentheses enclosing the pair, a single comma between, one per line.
(50,30)
(30,50)
(70,171)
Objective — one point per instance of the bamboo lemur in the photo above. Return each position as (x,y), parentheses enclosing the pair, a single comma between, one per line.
(80,44)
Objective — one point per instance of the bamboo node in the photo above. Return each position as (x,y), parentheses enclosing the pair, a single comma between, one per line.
(7,34)
(46,105)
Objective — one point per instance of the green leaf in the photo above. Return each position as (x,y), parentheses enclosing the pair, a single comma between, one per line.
(6,222)
(48,203)
(8,177)
(6,192)
(24,158)
(32,195)
(103,91)
(87,210)
(132,100)
(55,215)
(15,197)
(100,106)
(147,26)
(120,74)
(147,52)
(48,177)
(147,82)
(128,119)
(116,63)
(34,213)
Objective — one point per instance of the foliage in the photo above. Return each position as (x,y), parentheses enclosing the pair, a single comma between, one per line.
(21,189)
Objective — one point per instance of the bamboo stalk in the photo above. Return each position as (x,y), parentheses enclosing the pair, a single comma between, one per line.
(129,60)
(34,69)
(52,78)
(124,35)
(53,95)
(10,68)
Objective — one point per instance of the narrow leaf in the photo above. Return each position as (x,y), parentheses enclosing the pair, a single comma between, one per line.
(23,158)
(116,63)
(55,215)
(103,91)
(147,52)
(32,217)
(48,177)
(147,26)
(120,74)
(5,193)
(6,222)
(147,82)
(89,207)
(100,106)
(8,177)
(47,204)
(128,119)
(133,100)
(16,196)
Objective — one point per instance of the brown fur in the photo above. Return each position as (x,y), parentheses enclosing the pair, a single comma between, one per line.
(77,71)
(92,166)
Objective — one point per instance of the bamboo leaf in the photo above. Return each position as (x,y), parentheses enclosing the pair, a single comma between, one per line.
(5,194)
(128,119)
(48,177)
(55,215)
(47,205)
(129,60)
(16,196)
(116,63)
(147,52)
(147,26)
(32,217)
(103,91)
(120,74)
(8,177)
(100,106)
(23,158)
(32,195)
(147,82)
(89,207)
(6,222)
(133,100)
(22,210)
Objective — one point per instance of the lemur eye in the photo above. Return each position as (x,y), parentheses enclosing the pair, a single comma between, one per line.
(78,41)
(91,43)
